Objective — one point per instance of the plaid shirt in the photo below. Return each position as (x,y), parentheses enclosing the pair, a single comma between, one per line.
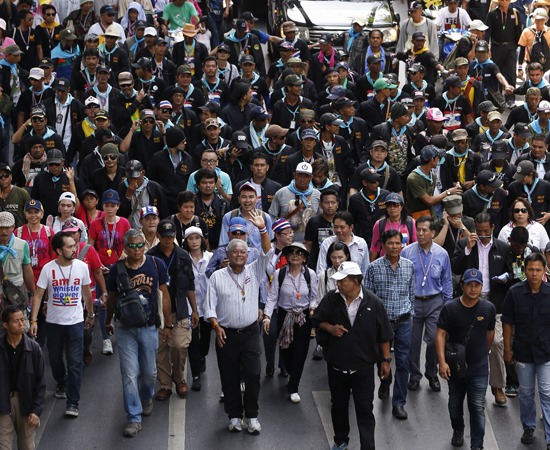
(394,287)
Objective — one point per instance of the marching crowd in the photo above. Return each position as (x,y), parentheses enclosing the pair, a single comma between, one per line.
(157,172)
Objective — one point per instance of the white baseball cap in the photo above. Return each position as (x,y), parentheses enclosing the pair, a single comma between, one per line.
(67,196)
(345,269)
(36,73)
(193,230)
(478,25)
(304,167)
(150,31)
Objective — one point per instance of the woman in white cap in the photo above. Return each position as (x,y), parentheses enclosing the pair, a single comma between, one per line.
(294,292)
(5,40)
(66,206)
(195,244)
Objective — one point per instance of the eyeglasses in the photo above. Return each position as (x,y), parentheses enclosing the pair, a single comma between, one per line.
(483,237)
(138,246)
(296,252)
(223,51)
(520,210)
(38,119)
(126,85)
(209,161)
(148,121)
(5,176)
(238,233)
(110,157)
(166,111)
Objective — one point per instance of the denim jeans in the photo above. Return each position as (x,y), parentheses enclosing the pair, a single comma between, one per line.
(137,348)
(474,388)
(401,346)
(68,339)
(527,408)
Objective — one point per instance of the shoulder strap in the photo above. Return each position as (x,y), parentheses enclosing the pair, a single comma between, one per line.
(282,274)
(386,176)
(307,276)
(326,280)
(381,225)
(467,337)
(18,232)
(123,279)
(234,213)
(409,227)
(83,252)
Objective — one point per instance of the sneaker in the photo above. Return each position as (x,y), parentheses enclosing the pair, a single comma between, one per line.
(60,392)
(342,446)
(295,397)
(243,387)
(147,407)
(235,425)
(132,429)
(458,438)
(318,353)
(222,397)
(196,386)
(511,391)
(254,426)
(71,411)
(528,436)
(108,349)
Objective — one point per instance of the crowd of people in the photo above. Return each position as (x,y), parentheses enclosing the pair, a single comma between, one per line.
(147,149)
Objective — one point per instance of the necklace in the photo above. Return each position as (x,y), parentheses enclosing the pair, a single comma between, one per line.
(296,285)
(241,288)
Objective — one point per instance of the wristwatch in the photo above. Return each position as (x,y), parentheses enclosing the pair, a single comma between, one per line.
(448,192)
(388,360)
(91,316)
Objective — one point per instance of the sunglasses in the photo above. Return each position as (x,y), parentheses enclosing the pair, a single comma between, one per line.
(92,106)
(166,111)
(38,119)
(138,246)
(223,51)
(238,233)
(4,176)
(148,121)
(308,121)
(520,210)
(110,157)
(126,85)
(296,252)
(50,14)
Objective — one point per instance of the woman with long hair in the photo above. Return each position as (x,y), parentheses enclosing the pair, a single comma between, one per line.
(522,215)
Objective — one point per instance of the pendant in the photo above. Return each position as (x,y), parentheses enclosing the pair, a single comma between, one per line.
(424,281)
(27,48)
(242,293)
(109,252)
(298,295)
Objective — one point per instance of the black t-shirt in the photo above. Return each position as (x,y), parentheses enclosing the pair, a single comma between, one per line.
(317,230)
(456,319)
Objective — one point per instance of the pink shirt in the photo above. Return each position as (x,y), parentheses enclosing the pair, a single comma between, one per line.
(376,245)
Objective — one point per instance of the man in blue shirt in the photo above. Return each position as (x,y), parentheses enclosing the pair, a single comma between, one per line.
(433,285)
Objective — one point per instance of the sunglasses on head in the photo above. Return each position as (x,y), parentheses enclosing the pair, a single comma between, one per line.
(520,210)
(138,246)
(38,119)
(111,157)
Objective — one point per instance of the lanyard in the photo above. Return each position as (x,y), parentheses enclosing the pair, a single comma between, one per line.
(368,200)
(66,298)
(296,286)
(241,288)
(530,191)
(110,235)
(424,270)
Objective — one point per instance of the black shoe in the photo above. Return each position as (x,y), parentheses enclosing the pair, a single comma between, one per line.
(383,392)
(528,436)
(269,370)
(414,385)
(435,385)
(283,373)
(475,447)
(203,364)
(458,438)
(399,412)
(196,386)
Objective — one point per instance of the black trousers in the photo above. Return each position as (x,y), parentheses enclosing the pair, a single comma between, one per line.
(295,355)
(199,346)
(505,57)
(239,359)
(270,342)
(361,383)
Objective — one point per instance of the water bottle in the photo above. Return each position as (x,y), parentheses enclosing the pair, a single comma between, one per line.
(145,304)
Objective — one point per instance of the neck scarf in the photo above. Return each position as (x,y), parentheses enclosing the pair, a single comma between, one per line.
(526,189)
(28,160)
(372,203)
(303,195)
(423,175)
(257,138)
(382,57)
(60,53)
(485,199)
(7,249)
(140,188)
(13,67)
(135,45)
(327,184)
(352,36)
(331,60)
(481,64)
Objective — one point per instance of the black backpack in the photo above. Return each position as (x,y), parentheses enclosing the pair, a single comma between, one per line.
(282,274)
(131,308)
(540,52)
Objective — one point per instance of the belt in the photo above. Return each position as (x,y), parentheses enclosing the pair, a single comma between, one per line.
(250,327)
(345,372)
(14,394)
(426,298)
(401,318)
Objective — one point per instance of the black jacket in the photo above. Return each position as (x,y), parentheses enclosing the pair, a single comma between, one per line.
(182,279)
(499,263)
(359,347)
(201,52)
(269,188)
(32,379)
(156,195)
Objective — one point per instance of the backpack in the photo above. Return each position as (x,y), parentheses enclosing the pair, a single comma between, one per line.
(131,308)
(382,225)
(449,61)
(282,274)
(540,51)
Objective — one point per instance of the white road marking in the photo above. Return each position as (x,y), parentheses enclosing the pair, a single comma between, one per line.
(176,421)
(45,416)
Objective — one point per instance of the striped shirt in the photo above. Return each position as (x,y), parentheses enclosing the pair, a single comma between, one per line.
(394,287)
(225,299)
(287,296)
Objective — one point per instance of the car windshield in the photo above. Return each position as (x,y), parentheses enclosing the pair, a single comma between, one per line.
(376,12)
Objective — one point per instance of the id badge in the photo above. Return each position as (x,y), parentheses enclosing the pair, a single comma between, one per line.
(292,124)
(34,261)
(59,118)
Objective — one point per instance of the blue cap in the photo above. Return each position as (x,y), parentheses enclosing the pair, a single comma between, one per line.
(33,204)
(394,197)
(237,224)
(472,275)
(308,133)
(257,112)
(110,196)
(336,92)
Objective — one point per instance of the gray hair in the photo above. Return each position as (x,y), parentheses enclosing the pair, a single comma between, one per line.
(235,243)
(131,234)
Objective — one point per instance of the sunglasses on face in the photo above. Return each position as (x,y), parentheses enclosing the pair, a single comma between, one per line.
(54,164)
(50,14)
(238,233)
(4,176)
(166,111)
(308,121)
(148,121)
(296,252)
(92,106)
(38,119)
(520,210)
(138,246)
(110,157)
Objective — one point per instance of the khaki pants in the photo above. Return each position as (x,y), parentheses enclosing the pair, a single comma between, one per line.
(497,369)
(172,356)
(25,433)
